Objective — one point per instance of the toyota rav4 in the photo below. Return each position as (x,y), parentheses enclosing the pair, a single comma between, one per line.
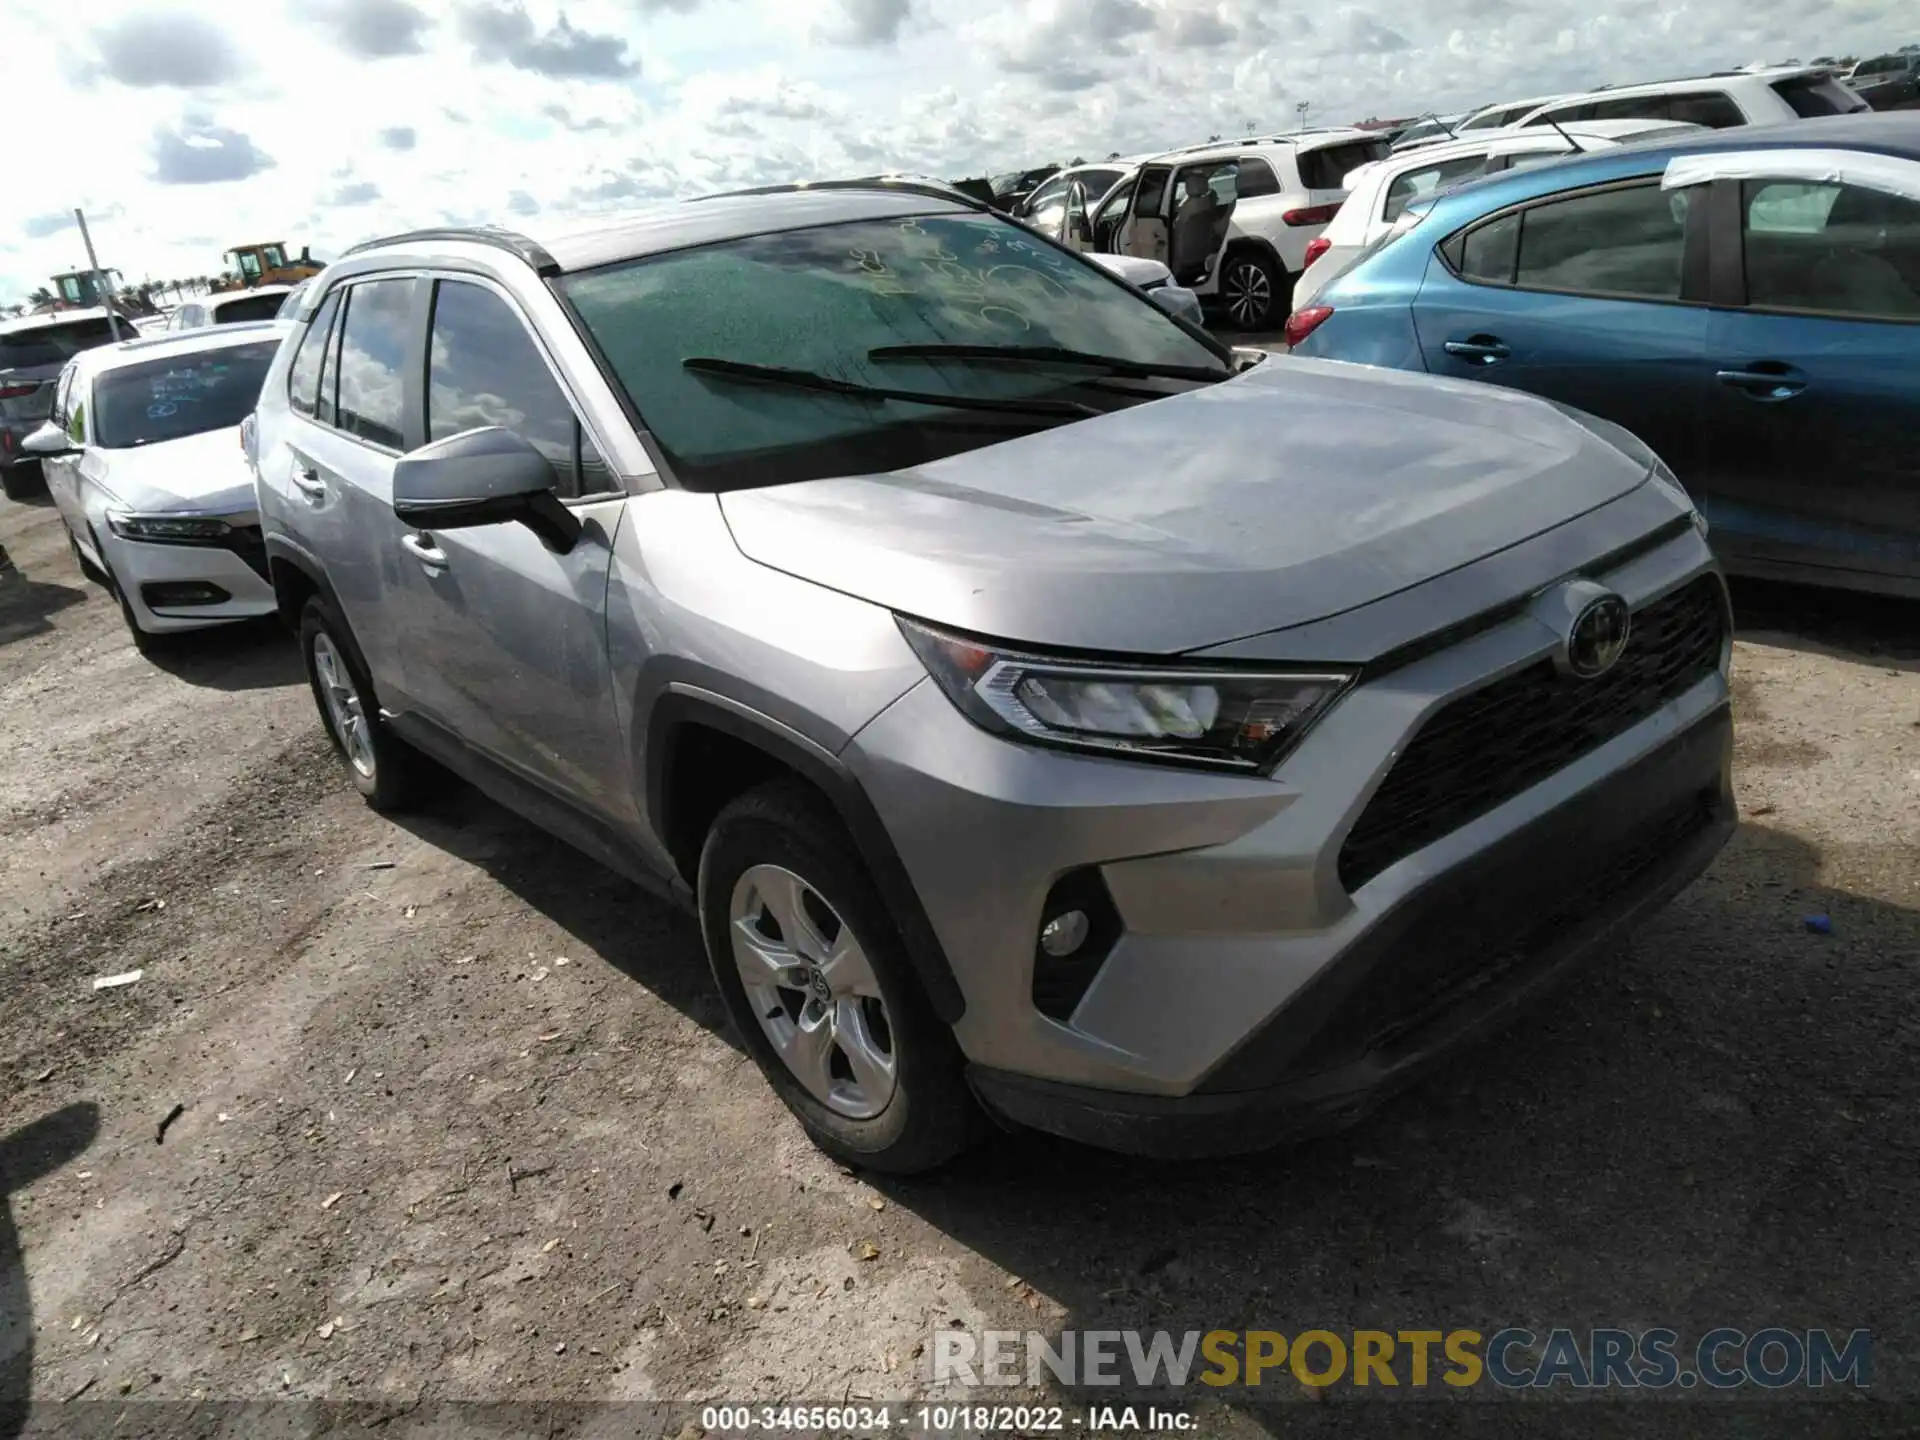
(1050,713)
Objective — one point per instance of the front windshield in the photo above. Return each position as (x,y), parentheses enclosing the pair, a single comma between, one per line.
(249,264)
(822,300)
(186,395)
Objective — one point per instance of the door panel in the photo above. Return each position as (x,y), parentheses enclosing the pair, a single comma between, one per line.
(507,646)
(1144,232)
(1822,467)
(1810,440)
(1637,362)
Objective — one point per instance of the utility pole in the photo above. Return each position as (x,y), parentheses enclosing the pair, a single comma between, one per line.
(99,280)
(1301,110)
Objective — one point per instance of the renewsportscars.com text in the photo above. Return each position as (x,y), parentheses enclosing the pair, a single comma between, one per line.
(1726,1358)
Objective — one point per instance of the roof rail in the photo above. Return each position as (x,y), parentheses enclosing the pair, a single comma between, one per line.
(498,237)
(908,184)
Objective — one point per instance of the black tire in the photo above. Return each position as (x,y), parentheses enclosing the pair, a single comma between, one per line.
(22,481)
(395,774)
(1254,291)
(931,1115)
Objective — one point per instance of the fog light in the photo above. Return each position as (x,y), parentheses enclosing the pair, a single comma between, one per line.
(1065,933)
(182,594)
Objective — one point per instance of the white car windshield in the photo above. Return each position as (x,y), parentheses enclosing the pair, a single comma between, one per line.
(185,395)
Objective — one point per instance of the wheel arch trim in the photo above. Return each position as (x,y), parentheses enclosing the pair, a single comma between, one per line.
(681,706)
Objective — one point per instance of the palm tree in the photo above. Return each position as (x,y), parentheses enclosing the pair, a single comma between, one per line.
(42,296)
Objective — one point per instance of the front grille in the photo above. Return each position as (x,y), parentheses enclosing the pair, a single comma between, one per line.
(1481,750)
(1473,947)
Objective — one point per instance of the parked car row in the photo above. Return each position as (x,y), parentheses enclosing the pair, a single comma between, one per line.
(1746,302)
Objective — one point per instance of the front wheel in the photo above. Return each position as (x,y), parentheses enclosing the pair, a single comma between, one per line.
(1250,291)
(385,771)
(816,979)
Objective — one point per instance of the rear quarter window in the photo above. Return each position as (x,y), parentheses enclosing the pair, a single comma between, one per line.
(1811,95)
(1327,167)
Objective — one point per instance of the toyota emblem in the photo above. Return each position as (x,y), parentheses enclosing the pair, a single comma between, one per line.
(1598,636)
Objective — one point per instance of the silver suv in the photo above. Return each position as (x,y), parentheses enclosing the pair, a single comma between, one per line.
(1051,713)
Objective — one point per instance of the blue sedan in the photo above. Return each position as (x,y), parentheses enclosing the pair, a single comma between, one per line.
(1747,301)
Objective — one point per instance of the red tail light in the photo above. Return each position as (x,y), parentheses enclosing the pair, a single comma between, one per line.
(14,392)
(1310,214)
(1317,247)
(1303,323)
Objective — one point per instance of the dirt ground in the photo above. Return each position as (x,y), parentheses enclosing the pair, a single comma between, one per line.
(459,1118)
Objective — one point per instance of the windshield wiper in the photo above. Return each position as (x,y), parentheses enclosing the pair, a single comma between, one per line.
(1050,355)
(828,385)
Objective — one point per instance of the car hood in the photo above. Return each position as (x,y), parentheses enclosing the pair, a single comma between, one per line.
(198,472)
(1295,491)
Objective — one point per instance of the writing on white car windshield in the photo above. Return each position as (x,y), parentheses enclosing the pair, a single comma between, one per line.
(185,395)
(873,345)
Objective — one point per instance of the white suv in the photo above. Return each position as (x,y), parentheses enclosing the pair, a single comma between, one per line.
(1232,220)
(1747,97)
(1380,194)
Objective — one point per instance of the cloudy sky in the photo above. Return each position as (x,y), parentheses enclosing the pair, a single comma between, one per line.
(184,126)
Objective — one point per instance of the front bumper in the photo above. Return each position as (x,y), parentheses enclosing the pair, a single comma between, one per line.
(137,565)
(1245,910)
(1450,965)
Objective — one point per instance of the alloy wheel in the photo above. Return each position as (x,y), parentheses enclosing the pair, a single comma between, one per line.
(345,711)
(813,991)
(1249,293)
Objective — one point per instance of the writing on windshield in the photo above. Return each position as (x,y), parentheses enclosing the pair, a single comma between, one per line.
(185,395)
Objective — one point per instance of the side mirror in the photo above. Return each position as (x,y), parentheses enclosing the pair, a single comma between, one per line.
(48,440)
(1179,302)
(489,476)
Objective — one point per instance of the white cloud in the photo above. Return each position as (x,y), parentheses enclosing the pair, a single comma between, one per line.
(325,122)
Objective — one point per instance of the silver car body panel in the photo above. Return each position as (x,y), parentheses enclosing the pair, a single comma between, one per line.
(1295,491)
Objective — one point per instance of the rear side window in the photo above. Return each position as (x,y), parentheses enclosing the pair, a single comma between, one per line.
(483,368)
(1831,250)
(1811,95)
(1415,185)
(1710,108)
(54,344)
(1327,167)
(303,377)
(248,307)
(1256,178)
(1486,254)
(373,352)
(1625,242)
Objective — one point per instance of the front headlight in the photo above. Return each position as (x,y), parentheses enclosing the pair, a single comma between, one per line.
(1225,719)
(171,529)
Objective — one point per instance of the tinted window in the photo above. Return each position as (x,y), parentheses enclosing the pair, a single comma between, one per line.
(1614,242)
(1051,192)
(1811,95)
(168,399)
(1097,182)
(303,378)
(248,307)
(1833,249)
(1711,108)
(1257,178)
(373,353)
(823,300)
(1152,190)
(483,368)
(1428,180)
(54,344)
(1486,254)
(1326,168)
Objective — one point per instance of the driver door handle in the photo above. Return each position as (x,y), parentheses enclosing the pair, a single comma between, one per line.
(422,548)
(1768,381)
(1479,349)
(307,480)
